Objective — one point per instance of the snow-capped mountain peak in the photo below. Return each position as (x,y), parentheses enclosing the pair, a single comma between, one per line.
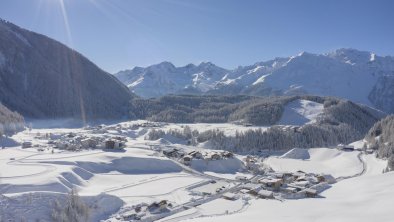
(165,78)
(346,73)
(352,56)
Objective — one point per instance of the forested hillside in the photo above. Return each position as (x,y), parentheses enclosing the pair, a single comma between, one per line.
(216,109)
(10,122)
(342,121)
(381,138)
(42,78)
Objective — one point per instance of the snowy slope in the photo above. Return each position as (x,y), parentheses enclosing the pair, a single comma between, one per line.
(360,76)
(321,75)
(318,160)
(300,112)
(227,166)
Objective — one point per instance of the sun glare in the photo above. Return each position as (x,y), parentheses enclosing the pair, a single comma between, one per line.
(65,20)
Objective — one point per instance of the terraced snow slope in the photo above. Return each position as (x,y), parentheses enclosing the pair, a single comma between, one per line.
(102,178)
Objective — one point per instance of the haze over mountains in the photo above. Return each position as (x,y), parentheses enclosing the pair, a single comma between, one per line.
(42,78)
(347,73)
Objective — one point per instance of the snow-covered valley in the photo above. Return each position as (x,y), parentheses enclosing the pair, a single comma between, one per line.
(114,183)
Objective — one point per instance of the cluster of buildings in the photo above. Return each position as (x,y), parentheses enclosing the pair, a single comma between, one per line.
(144,211)
(286,185)
(210,187)
(95,137)
(150,124)
(252,163)
(41,136)
(102,129)
(75,142)
(120,128)
(186,157)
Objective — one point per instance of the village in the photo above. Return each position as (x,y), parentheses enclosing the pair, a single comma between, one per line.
(261,182)
(277,186)
(265,183)
(109,138)
(256,180)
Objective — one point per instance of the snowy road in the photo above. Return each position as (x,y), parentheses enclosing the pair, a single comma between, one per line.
(360,157)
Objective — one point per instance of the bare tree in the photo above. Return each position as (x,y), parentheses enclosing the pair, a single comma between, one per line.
(70,209)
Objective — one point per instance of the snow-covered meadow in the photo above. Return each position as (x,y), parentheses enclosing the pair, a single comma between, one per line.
(114,183)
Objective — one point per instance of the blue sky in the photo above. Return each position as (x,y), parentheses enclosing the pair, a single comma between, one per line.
(121,34)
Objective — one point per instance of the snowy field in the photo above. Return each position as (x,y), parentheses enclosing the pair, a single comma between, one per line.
(318,160)
(113,182)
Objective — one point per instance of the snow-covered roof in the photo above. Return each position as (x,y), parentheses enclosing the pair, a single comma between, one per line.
(265,193)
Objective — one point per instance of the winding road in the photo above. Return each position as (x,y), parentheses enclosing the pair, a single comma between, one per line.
(363,162)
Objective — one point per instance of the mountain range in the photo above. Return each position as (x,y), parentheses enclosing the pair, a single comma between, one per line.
(360,76)
(42,78)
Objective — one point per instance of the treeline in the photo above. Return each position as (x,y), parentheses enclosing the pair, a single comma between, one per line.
(341,122)
(185,134)
(10,122)
(216,109)
(381,138)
